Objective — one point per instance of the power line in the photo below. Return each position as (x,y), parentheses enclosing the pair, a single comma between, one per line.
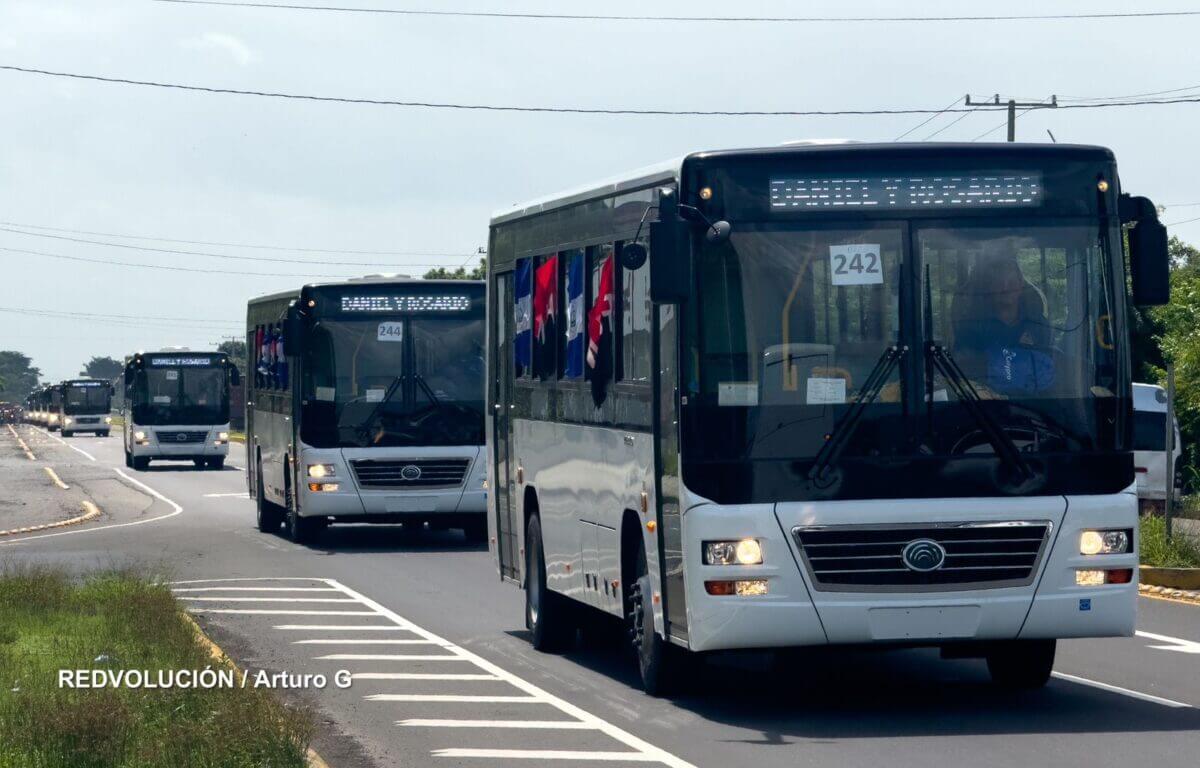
(950,124)
(209,254)
(926,121)
(1185,221)
(739,19)
(453,254)
(139,318)
(1130,95)
(141,324)
(166,267)
(562,110)
(1004,124)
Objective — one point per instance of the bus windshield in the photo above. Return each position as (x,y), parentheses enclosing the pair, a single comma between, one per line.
(792,321)
(86,399)
(182,396)
(411,381)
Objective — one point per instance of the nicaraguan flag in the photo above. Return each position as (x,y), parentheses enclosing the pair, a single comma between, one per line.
(575,338)
(523,316)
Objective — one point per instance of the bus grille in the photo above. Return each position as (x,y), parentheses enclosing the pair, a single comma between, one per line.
(410,473)
(870,558)
(176,438)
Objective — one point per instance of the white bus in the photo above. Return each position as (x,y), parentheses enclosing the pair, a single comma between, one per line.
(818,395)
(176,408)
(85,407)
(1150,446)
(365,405)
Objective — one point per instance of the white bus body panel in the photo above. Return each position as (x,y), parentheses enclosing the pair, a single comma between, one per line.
(1152,483)
(161,442)
(795,612)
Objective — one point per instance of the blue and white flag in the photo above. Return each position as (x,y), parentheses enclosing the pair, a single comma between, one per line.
(575,318)
(523,316)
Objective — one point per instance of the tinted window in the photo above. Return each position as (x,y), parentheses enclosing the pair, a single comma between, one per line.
(1149,431)
(635,323)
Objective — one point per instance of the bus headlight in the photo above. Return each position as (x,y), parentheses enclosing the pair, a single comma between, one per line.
(53,418)
(321,470)
(222,436)
(108,419)
(139,435)
(743,552)
(67,420)
(1104,542)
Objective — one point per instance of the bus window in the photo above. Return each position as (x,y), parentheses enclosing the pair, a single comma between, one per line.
(600,352)
(635,323)
(545,320)
(576,338)
(523,320)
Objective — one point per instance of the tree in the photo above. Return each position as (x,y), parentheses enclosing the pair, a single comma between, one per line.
(102,368)
(441,273)
(236,349)
(18,377)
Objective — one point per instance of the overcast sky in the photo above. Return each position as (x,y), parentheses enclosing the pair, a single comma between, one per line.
(189,166)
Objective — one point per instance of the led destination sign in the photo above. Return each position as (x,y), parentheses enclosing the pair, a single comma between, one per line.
(403,304)
(86,384)
(899,192)
(181,362)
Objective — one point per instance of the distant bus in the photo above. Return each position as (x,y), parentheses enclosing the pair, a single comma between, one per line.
(1150,446)
(85,407)
(365,405)
(812,395)
(176,407)
(50,407)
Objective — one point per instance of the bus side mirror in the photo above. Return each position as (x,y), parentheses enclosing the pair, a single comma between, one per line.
(293,331)
(670,259)
(235,378)
(633,256)
(1149,263)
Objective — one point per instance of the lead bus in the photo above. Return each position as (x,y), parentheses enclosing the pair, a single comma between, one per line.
(86,405)
(365,405)
(176,407)
(824,394)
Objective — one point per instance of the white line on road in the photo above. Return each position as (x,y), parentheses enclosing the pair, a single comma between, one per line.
(1174,643)
(261,612)
(53,436)
(1123,691)
(362,642)
(269,599)
(422,676)
(226,495)
(255,578)
(387,657)
(175,507)
(338,628)
(549,754)
(254,589)
(454,698)
(558,725)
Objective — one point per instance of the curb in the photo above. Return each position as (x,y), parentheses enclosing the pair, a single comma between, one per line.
(1177,578)
(312,758)
(90,511)
(1170,593)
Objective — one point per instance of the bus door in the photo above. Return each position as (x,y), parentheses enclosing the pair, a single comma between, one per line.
(507,523)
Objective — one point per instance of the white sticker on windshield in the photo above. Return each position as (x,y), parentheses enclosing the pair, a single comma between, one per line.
(857,264)
(825,391)
(390,332)
(166,399)
(737,393)
(172,375)
(375,395)
(325,394)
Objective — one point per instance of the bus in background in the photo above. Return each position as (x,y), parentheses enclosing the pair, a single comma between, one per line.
(176,408)
(33,407)
(85,407)
(1150,446)
(365,405)
(52,407)
(821,395)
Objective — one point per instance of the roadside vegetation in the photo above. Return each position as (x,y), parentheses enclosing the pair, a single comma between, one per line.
(1181,552)
(123,621)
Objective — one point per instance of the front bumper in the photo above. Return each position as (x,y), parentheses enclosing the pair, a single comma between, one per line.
(152,447)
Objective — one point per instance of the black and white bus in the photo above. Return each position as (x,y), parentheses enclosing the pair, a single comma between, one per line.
(365,405)
(824,394)
(85,407)
(176,408)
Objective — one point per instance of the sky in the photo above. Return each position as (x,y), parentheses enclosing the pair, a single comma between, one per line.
(155,163)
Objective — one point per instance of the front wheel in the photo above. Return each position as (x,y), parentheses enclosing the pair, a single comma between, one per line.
(269,516)
(141,463)
(302,530)
(661,664)
(67,434)
(217,462)
(547,613)
(198,463)
(102,434)
(1021,665)
(476,531)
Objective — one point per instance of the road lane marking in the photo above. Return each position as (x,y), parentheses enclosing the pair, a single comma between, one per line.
(1173,643)
(255,578)
(53,436)
(269,599)
(255,589)
(176,510)
(560,725)
(387,657)
(1123,691)
(273,612)
(56,479)
(226,495)
(362,642)
(28,453)
(337,628)
(645,751)
(422,676)
(549,754)
(430,698)
(90,510)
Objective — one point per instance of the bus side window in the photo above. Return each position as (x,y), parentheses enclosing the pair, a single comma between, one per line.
(523,319)
(545,317)
(635,323)
(600,352)
(575,322)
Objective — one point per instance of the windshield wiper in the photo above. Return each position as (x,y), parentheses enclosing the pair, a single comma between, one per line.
(387,395)
(836,441)
(425,388)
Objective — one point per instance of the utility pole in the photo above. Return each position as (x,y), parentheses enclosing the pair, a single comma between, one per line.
(1012,105)
(1169,500)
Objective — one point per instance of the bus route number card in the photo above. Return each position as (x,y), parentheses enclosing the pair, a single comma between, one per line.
(391,332)
(858,264)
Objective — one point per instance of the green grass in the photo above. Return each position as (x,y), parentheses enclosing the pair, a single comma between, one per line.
(1181,552)
(50,622)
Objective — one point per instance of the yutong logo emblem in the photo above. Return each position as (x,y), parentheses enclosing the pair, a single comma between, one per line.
(181,437)
(923,555)
(411,472)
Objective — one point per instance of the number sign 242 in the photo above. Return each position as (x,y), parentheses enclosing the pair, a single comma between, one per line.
(855,264)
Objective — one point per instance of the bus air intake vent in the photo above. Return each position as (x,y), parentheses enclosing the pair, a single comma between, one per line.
(410,473)
(868,558)
(176,437)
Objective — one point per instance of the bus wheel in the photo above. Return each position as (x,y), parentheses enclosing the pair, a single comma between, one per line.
(199,463)
(128,458)
(1021,664)
(141,463)
(67,434)
(268,514)
(217,462)
(547,614)
(476,531)
(660,663)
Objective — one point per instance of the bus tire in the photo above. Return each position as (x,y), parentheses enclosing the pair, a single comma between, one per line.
(476,531)
(661,664)
(198,463)
(217,462)
(547,614)
(128,458)
(1021,665)
(103,433)
(141,463)
(67,434)
(268,514)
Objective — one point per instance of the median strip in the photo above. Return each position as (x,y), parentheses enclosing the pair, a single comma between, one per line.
(57,480)
(90,511)
(28,453)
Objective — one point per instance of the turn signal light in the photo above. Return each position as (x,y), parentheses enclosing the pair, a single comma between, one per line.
(746,588)
(322,487)
(1095,577)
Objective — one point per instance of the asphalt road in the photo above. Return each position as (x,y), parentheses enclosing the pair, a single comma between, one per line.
(444,674)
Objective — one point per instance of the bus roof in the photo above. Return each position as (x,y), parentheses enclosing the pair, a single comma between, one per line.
(360,281)
(671,169)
